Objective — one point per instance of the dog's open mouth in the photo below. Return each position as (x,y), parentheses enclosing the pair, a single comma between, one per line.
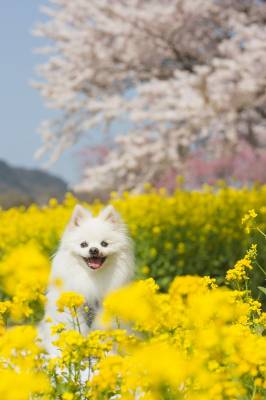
(94,262)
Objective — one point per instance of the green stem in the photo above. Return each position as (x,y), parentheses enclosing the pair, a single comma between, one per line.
(77,320)
(260,231)
(117,323)
(260,267)
(254,392)
(69,372)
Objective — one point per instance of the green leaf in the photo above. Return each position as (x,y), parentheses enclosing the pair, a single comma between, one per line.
(262,289)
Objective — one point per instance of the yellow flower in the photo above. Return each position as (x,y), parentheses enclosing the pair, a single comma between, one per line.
(22,385)
(145,269)
(53,202)
(67,396)
(240,271)
(55,329)
(156,230)
(168,245)
(26,270)
(247,219)
(4,306)
(153,252)
(70,301)
(181,248)
(132,303)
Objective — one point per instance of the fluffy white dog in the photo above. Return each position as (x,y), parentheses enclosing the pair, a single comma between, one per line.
(95,257)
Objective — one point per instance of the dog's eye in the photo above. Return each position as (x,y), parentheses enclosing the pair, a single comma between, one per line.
(104,243)
(84,244)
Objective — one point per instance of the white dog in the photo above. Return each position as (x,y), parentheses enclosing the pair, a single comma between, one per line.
(95,257)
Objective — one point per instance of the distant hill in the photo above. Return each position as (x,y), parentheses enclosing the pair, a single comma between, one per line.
(25,186)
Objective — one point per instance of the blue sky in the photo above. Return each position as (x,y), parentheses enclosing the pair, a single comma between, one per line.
(21,107)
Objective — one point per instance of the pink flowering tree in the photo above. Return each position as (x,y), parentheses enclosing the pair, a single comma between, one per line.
(173,77)
(244,166)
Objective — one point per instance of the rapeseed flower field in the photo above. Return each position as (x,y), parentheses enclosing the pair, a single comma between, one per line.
(186,233)
(198,338)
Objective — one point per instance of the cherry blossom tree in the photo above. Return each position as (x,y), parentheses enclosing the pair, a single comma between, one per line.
(174,76)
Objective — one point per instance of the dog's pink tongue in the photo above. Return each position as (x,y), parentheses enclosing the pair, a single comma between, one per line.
(95,263)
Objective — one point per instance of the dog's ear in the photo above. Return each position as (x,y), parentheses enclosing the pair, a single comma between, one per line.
(79,214)
(110,214)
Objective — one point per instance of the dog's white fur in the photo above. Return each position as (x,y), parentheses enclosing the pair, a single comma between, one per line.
(70,268)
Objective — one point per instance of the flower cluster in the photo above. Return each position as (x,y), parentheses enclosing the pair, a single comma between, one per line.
(243,266)
(196,341)
(248,218)
(71,301)
(21,365)
(187,344)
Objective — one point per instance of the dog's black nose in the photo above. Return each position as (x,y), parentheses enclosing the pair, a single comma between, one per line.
(94,251)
